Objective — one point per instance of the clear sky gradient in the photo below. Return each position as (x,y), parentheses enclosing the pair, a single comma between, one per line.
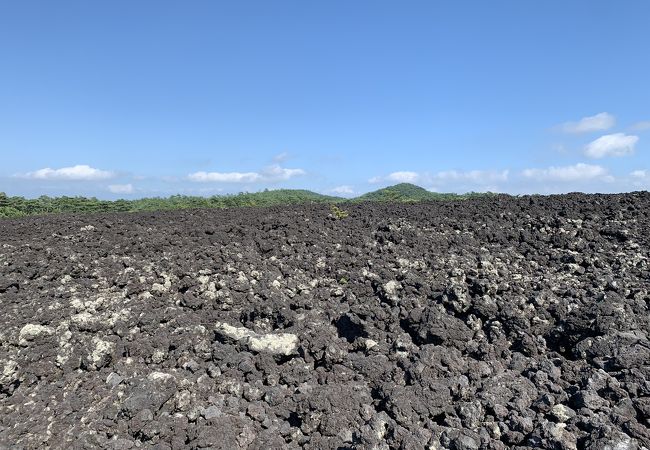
(152,98)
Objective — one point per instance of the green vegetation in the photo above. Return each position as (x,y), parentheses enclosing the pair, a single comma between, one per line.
(20,206)
(407,192)
(403,192)
(339,213)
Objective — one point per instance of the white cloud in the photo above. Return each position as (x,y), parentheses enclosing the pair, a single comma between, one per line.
(225,177)
(277,173)
(576,172)
(449,178)
(343,190)
(272,173)
(121,188)
(617,144)
(641,126)
(639,173)
(474,176)
(403,176)
(79,172)
(599,122)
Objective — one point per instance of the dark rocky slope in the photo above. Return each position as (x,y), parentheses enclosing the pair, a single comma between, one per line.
(488,323)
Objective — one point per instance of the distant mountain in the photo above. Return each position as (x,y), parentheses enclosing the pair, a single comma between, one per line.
(276,197)
(404,192)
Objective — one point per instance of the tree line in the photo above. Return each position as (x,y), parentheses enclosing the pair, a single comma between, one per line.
(14,206)
(19,206)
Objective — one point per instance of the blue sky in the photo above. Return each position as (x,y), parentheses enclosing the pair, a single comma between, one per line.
(152,98)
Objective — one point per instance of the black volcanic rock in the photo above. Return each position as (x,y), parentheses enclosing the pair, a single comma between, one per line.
(489,323)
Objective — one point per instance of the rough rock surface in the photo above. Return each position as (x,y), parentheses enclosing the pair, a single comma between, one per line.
(483,324)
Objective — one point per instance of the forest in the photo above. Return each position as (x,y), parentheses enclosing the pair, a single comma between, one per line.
(17,206)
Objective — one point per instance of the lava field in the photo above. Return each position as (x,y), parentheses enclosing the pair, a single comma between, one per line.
(491,323)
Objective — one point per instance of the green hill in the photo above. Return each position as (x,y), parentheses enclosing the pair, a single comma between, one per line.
(20,206)
(404,192)
(275,197)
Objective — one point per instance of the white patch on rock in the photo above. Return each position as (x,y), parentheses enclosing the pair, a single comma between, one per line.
(84,318)
(211,412)
(9,372)
(77,304)
(183,400)
(160,376)
(403,262)
(65,348)
(158,356)
(369,343)
(102,350)
(113,379)
(236,333)
(31,332)
(274,343)
(280,343)
(365,273)
(391,287)
(157,287)
(561,412)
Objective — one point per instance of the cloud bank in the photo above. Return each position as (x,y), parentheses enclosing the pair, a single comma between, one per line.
(469,177)
(270,174)
(576,172)
(475,176)
(80,172)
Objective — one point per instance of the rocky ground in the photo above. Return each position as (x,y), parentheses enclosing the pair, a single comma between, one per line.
(490,323)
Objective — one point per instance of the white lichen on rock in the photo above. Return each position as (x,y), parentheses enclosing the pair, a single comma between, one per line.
(274,343)
(160,376)
(391,287)
(31,332)
(84,319)
(158,356)
(561,412)
(369,343)
(101,352)
(236,333)
(65,348)
(9,372)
